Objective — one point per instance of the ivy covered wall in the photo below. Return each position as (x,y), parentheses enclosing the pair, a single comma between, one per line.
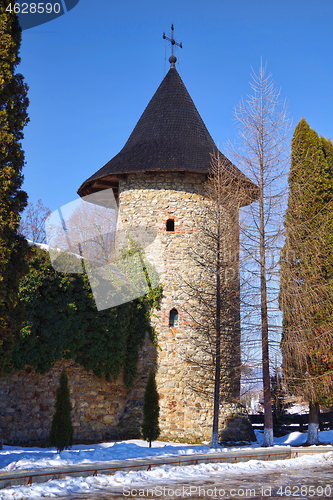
(107,354)
(62,322)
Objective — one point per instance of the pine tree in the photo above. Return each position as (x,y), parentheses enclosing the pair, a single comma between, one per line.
(61,435)
(307,273)
(151,410)
(13,248)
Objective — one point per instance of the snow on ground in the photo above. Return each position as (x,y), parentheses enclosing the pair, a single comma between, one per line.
(18,458)
(298,409)
(166,477)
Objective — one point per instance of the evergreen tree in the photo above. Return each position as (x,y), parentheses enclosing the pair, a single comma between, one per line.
(151,410)
(13,248)
(61,435)
(307,273)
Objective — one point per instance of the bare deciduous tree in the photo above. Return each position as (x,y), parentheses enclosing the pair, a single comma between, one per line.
(212,293)
(32,224)
(262,153)
(85,228)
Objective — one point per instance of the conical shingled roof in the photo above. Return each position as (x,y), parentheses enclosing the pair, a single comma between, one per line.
(170,136)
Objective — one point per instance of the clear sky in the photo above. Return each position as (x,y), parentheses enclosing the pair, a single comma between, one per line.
(92,72)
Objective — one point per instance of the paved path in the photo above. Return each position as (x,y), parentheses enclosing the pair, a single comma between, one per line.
(23,477)
(306,483)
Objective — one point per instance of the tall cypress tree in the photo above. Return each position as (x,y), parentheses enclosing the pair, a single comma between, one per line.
(150,429)
(13,118)
(62,431)
(307,273)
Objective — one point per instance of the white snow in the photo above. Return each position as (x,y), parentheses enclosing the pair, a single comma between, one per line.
(19,458)
(40,245)
(298,409)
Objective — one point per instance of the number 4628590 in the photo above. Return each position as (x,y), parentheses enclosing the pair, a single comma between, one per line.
(34,8)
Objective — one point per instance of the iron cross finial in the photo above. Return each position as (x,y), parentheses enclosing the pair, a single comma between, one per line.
(172,58)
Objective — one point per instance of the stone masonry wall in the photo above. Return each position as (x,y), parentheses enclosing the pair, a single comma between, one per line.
(148,201)
(101,409)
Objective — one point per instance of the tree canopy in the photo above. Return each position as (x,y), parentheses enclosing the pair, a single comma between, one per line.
(32,223)
(307,269)
(13,248)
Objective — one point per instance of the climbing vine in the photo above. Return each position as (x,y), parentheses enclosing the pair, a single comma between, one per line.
(62,321)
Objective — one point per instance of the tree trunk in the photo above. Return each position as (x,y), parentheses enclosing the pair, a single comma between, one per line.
(264,151)
(215,433)
(268,422)
(313,428)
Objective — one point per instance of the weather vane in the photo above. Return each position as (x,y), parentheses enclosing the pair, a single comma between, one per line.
(172,58)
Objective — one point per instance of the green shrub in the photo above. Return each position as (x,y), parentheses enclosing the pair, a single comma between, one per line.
(61,435)
(150,429)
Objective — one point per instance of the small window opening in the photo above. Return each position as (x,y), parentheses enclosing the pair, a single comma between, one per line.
(173,318)
(170,225)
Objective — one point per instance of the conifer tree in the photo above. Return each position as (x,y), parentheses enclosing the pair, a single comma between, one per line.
(13,248)
(262,153)
(151,410)
(61,435)
(307,273)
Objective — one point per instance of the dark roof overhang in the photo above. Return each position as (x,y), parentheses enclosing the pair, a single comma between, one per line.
(170,136)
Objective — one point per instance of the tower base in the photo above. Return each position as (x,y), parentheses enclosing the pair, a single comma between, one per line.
(234,424)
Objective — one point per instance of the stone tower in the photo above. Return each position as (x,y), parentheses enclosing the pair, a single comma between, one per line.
(158,179)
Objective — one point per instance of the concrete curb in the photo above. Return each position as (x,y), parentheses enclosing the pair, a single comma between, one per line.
(27,477)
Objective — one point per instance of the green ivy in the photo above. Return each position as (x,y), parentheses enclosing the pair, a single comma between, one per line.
(62,321)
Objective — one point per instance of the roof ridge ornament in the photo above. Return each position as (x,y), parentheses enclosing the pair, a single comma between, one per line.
(172,58)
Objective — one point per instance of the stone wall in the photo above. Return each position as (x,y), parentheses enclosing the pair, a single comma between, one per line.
(101,410)
(148,201)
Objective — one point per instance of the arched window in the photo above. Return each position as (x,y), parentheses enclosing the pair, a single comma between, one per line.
(170,225)
(173,318)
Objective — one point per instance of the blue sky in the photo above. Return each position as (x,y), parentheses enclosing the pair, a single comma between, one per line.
(92,72)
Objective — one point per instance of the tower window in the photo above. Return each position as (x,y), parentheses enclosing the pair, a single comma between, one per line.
(173,318)
(170,225)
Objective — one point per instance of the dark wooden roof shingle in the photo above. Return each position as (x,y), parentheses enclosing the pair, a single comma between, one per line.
(170,136)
